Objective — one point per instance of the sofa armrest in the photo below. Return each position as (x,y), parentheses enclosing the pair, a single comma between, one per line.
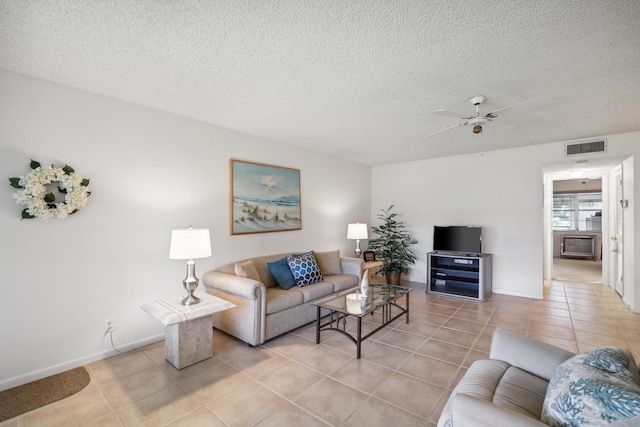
(246,321)
(533,356)
(352,266)
(467,410)
(232,284)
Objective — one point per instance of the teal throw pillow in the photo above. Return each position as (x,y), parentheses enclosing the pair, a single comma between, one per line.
(282,273)
(594,388)
(305,269)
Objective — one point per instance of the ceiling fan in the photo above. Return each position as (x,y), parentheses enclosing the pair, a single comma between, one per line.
(478,120)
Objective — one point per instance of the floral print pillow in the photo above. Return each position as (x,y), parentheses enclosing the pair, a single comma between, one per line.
(595,388)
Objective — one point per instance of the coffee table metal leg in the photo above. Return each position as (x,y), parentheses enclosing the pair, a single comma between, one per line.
(406,306)
(318,326)
(358,337)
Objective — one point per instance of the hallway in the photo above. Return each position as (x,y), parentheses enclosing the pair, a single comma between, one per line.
(577,270)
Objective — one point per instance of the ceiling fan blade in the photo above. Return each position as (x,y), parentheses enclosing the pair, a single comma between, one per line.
(451,114)
(520,106)
(444,130)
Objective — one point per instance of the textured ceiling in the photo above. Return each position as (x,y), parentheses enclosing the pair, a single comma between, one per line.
(353,78)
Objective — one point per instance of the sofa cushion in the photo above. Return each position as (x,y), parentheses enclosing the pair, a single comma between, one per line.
(278,299)
(498,382)
(598,387)
(282,273)
(342,282)
(329,262)
(305,269)
(247,269)
(521,391)
(315,290)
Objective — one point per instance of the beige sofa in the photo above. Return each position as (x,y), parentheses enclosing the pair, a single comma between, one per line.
(264,310)
(526,381)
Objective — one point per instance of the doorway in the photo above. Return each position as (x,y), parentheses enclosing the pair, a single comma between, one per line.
(577,214)
(581,269)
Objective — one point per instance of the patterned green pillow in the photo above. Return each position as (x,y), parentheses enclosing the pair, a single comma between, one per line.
(594,388)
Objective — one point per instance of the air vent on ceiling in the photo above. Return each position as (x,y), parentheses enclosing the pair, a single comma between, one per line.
(596,146)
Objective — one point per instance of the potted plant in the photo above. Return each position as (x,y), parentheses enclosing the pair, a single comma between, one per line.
(391,246)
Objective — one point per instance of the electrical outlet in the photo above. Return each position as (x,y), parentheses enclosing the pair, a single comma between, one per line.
(108,326)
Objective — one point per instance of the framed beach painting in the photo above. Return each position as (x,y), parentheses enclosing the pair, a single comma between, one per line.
(264,198)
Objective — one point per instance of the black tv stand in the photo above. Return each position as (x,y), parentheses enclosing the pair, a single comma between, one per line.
(466,276)
(460,254)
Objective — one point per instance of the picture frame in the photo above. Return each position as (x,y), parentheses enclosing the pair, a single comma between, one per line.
(369,256)
(264,198)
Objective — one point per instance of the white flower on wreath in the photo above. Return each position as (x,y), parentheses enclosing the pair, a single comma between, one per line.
(32,192)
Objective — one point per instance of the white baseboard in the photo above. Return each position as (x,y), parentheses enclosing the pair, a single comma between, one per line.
(62,367)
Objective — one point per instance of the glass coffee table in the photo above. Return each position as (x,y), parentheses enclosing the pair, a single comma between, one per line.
(380,297)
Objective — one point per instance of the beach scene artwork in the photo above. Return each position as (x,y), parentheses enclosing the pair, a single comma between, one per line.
(264,198)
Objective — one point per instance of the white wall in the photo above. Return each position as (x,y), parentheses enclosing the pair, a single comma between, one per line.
(503,192)
(150,172)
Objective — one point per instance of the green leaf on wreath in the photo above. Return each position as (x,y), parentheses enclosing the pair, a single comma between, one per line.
(49,198)
(26,215)
(62,190)
(34,164)
(85,182)
(15,182)
(68,169)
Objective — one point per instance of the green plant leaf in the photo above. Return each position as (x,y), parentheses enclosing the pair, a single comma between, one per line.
(26,215)
(15,182)
(85,182)
(34,164)
(68,169)
(49,198)
(391,244)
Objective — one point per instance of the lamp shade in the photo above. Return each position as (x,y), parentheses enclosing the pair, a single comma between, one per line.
(357,231)
(190,243)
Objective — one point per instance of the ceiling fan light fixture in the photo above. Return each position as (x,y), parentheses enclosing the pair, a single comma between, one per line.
(478,119)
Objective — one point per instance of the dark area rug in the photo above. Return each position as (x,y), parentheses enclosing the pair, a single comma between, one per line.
(33,395)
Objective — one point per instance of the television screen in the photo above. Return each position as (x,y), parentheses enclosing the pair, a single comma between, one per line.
(458,239)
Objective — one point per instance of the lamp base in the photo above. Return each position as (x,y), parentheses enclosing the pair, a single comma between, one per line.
(358,251)
(190,300)
(190,283)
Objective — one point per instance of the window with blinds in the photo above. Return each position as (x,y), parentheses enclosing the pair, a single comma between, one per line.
(577,211)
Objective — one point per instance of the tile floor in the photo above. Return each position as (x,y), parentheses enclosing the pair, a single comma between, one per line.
(403,378)
(577,270)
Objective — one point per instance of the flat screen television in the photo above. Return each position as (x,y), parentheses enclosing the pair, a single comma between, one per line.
(458,239)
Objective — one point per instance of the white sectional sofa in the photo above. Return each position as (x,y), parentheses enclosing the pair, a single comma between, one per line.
(529,383)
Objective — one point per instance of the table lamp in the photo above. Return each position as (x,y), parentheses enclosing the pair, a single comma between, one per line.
(357,231)
(190,243)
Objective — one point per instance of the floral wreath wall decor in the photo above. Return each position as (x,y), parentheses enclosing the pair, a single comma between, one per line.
(34,191)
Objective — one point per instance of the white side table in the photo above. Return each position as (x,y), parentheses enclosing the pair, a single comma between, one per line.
(188,332)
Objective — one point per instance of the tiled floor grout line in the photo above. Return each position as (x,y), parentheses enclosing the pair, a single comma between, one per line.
(565,305)
(571,317)
(370,395)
